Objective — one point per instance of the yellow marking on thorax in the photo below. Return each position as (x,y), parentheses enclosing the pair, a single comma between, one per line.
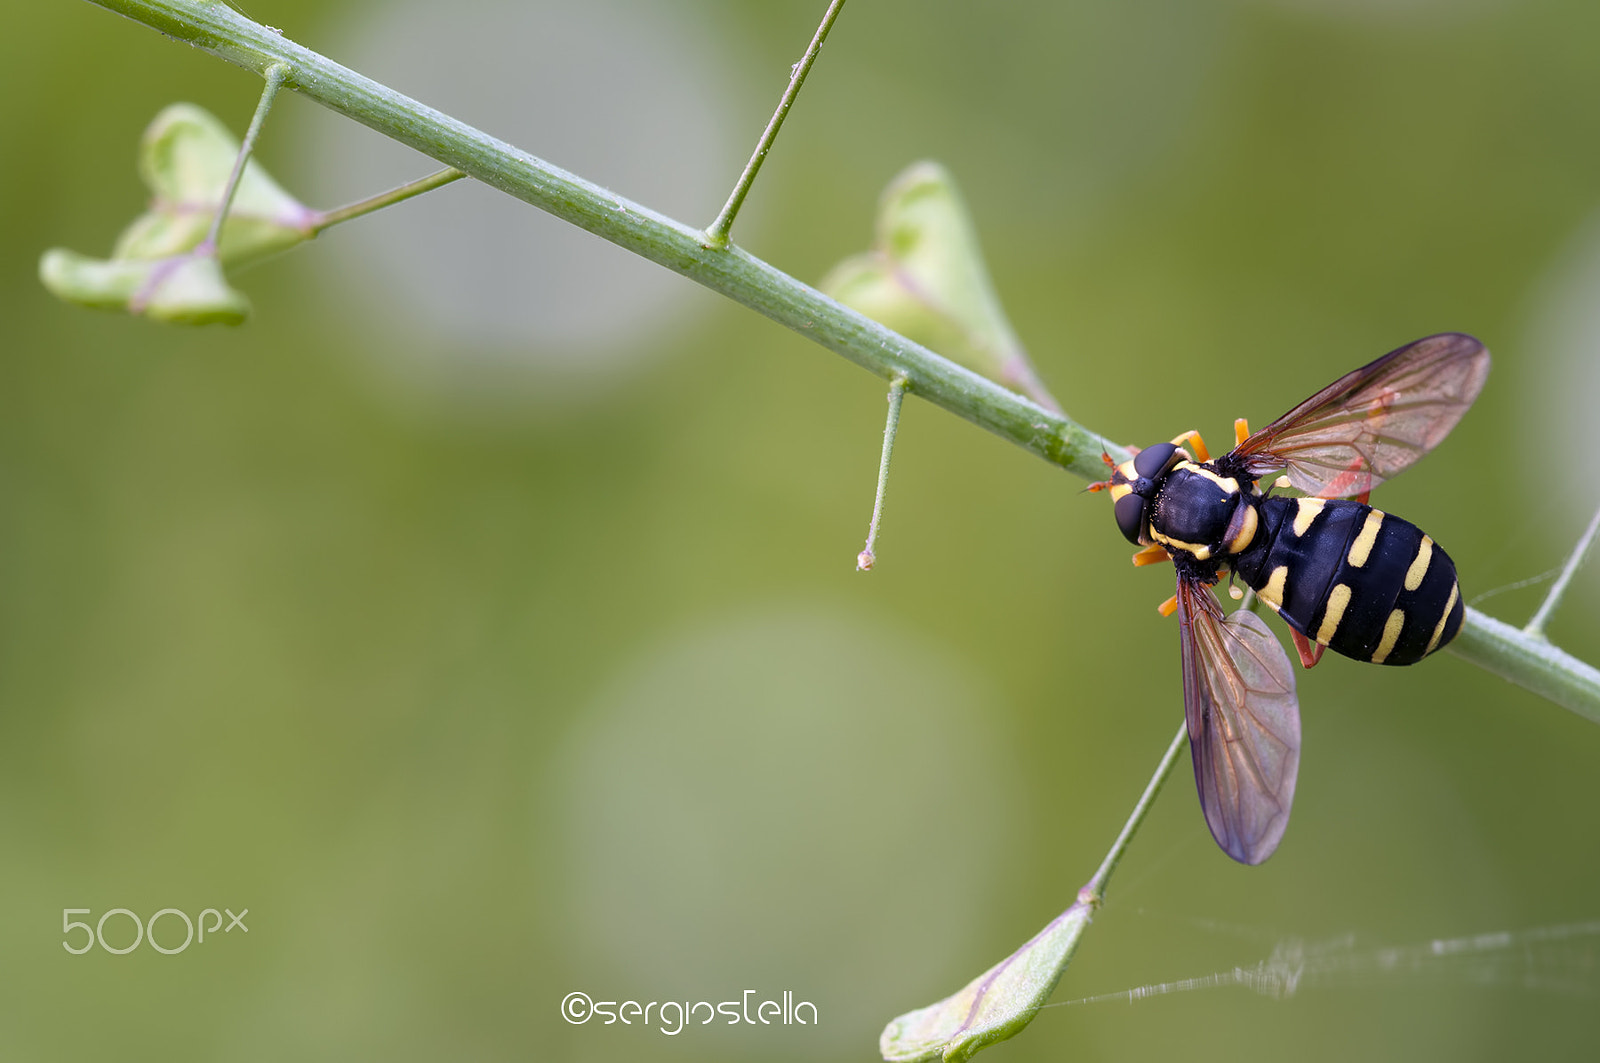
(1305,511)
(1200,552)
(1419,566)
(1361,549)
(1338,600)
(1271,592)
(1227,483)
(1391,635)
(1444,618)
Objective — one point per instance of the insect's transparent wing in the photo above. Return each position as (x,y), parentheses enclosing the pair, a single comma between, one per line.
(1244,723)
(1370,424)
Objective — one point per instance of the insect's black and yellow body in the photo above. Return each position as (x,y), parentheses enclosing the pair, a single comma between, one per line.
(1362,582)
(1341,574)
(1359,581)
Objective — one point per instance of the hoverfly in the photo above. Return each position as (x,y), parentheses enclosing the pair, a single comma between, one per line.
(1341,574)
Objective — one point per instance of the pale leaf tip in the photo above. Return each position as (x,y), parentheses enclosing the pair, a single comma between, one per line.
(992,1007)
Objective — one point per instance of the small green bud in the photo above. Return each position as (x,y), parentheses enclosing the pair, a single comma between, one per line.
(185,158)
(926,279)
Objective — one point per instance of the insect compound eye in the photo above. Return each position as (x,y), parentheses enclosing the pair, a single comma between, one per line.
(1130,511)
(1151,462)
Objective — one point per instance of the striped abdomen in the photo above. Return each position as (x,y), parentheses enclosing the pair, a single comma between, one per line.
(1360,581)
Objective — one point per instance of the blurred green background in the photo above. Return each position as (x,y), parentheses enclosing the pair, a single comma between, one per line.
(482,615)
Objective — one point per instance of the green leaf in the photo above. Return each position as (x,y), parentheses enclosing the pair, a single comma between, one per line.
(185,159)
(190,290)
(184,289)
(994,1006)
(926,279)
(92,282)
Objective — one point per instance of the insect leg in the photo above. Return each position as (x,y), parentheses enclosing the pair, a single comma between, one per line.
(1193,435)
(1310,652)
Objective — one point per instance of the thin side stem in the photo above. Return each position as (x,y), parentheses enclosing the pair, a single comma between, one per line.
(734,272)
(897,393)
(274,75)
(327,219)
(1559,587)
(1094,892)
(717,233)
(1526,660)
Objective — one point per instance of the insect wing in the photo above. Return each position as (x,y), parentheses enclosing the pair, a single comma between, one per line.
(1244,723)
(1371,423)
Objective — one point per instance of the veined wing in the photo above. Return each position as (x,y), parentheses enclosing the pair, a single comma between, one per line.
(1244,723)
(1372,423)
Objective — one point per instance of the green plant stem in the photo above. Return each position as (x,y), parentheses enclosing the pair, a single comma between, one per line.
(217,28)
(1093,893)
(897,393)
(327,219)
(1559,588)
(1530,661)
(717,233)
(1527,660)
(269,92)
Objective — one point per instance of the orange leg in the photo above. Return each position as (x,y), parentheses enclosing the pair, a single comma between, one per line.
(1168,607)
(1101,485)
(1153,554)
(1241,431)
(1310,652)
(1200,451)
